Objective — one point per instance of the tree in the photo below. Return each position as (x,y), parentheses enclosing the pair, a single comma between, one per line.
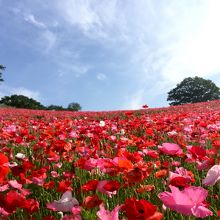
(21,101)
(74,106)
(1,68)
(55,107)
(192,90)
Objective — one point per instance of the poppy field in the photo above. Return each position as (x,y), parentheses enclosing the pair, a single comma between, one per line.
(148,164)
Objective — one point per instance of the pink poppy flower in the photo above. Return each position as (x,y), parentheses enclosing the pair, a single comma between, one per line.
(54,174)
(65,204)
(76,210)
(90,164)
(3,212)
(4,187)
(38,181)
(58,165)
(75,214)
(170,149)
(206,163)
(106,165)
(10,129)
(104,214)
(73,134)
(187,202)
(71,217)
(180,172)
(101,188)
(16,185)
(52,156)
(212,176)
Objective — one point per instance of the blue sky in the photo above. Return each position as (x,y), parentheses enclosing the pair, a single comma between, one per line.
(109,54)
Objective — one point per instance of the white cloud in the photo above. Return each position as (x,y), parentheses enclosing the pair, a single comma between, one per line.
(47,37)
(50,40)
(134,101)
(30,18)
(101,76)
(96,19)
(198,53)
(181,40)
(26,92)
(75,69)
(79,13)
(150,96)
(7,91)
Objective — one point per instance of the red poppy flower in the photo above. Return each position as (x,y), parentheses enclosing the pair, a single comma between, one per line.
(135,175)
(64,186)
(31,205)
(91,201)
(197,151)
(90,186)
(112,185)
(125,164)
(128,113)
(145,188)
(216,144)
(149,131)
(17,170)
(13,200)
(49,185)
(4,170)
(133,157)
(140,209)
(145,106)
(27,165)
(179,181)
(161,173)
(3,159)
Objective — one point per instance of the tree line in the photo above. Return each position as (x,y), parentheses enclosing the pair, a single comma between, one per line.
(21,101)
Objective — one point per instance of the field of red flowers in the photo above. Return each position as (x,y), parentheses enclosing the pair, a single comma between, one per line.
(149,164)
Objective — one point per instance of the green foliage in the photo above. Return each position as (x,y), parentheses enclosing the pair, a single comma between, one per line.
(55,107)
(4,106)
(1,68)
(192,90)
(21,101)
(74,106)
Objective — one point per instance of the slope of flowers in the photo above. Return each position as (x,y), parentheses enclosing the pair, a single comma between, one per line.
(147,165)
